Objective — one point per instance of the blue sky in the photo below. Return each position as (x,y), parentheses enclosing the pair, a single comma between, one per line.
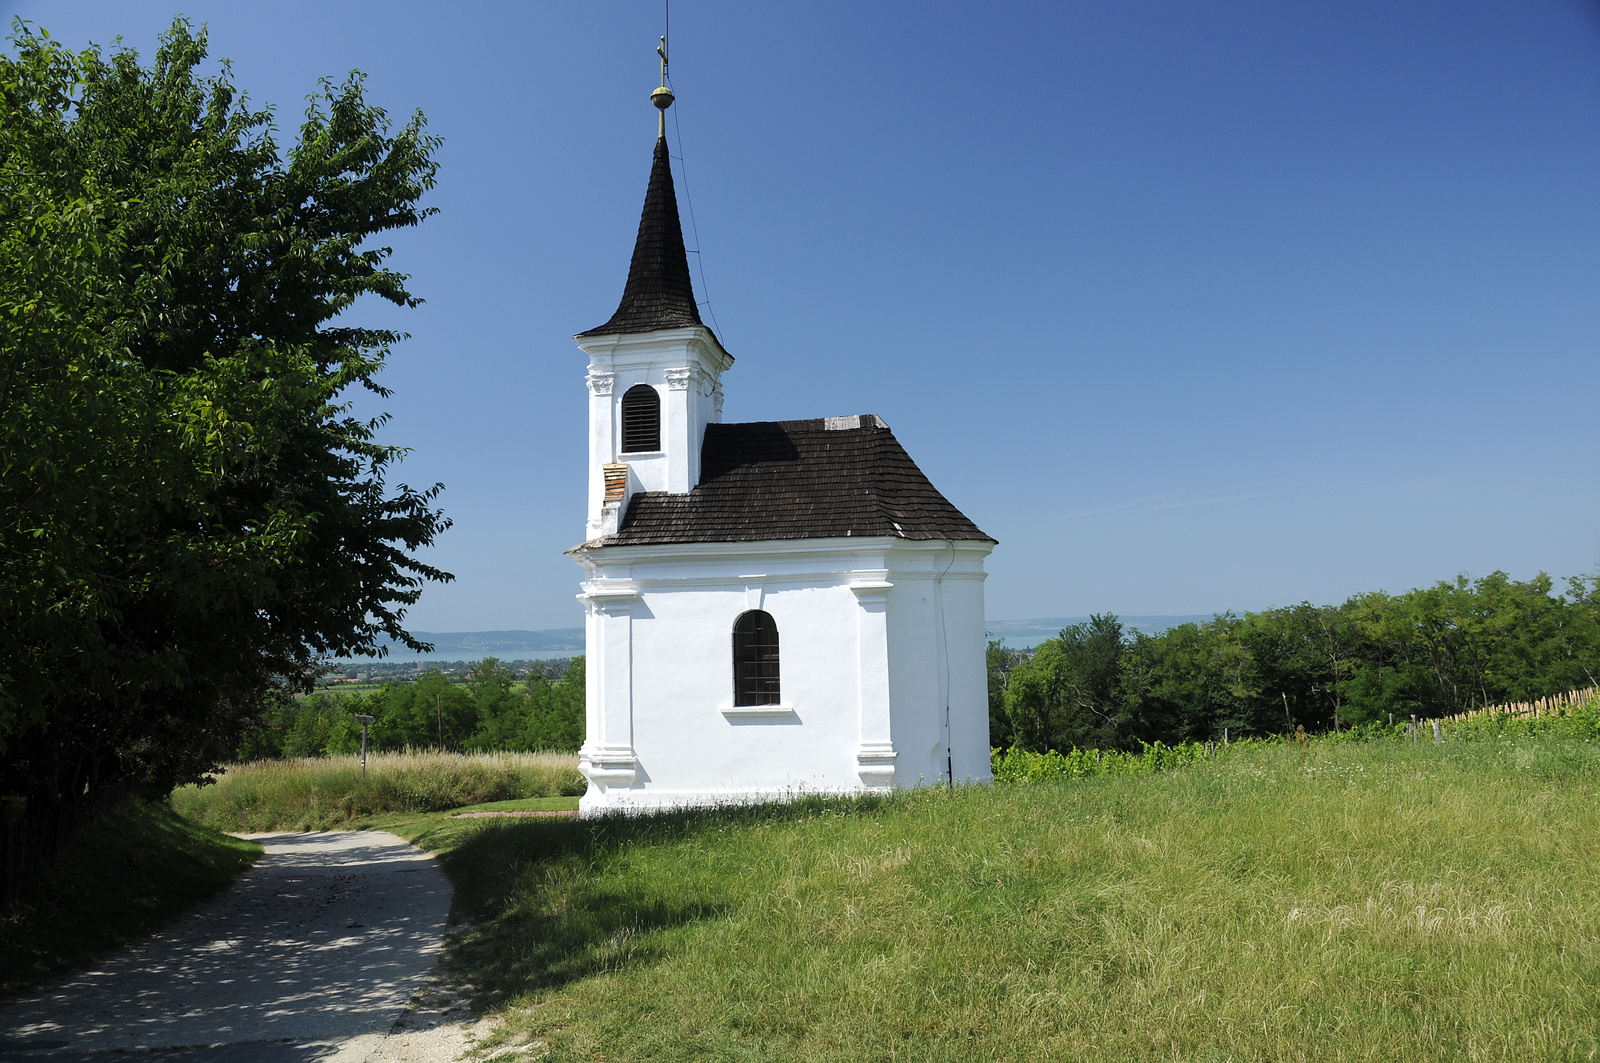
(1193,307)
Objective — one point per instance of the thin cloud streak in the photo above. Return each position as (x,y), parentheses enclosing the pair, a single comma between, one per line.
(1236,493)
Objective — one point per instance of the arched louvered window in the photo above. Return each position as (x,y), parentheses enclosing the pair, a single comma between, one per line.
(641,419)
(755,659)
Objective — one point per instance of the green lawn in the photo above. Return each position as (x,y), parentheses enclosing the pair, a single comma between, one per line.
(1357,902)
(130,872)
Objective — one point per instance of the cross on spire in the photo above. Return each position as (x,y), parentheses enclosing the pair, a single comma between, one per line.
(662,97)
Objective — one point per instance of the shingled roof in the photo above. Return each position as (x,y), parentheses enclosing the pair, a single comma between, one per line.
(825,478)
(659,293)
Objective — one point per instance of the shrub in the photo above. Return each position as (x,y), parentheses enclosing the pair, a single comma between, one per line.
(1022,765)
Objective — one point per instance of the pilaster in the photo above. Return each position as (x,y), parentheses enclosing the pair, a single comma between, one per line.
(608,759)
(875,753)
(680,434)
(602,428)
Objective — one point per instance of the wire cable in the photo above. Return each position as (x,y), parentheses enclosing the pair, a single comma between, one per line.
(944,636)
(688,198)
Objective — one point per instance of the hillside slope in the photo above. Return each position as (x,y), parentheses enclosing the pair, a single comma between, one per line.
(1387,901)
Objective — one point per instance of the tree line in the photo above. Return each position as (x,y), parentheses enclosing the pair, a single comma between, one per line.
(1432,652)
(490,711)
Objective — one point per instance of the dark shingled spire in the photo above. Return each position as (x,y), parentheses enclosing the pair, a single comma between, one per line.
(659,293)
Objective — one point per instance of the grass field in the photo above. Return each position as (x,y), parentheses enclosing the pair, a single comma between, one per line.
(132,870)
(1384,901)
(317,793)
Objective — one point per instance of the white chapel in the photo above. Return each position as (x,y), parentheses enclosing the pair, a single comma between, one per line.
(773,608)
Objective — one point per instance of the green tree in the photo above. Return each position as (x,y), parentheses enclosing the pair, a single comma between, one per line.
(192,513)
(1068,694)
(501,711)
(1001,662)
(1192,682)
(1299,654)
(430,713)
(312,723)
(1390,674)
(556,711)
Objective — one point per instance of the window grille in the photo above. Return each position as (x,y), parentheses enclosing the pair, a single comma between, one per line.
(755,659)
(641,419)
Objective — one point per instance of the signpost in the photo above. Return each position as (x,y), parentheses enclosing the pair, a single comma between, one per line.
(363,720)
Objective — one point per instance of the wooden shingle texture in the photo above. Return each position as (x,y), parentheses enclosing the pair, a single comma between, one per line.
(819,479)
(659,293)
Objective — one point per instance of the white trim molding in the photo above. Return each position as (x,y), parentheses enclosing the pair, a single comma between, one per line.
(732,711)
(604,592)
(609,767)
(875,764)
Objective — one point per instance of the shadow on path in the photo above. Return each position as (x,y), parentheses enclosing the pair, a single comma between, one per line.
(324,940)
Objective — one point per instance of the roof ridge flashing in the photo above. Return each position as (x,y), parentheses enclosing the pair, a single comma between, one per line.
(813,424)
(862,420)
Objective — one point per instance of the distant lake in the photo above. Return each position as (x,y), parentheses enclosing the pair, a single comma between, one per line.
(568,641)
(476,645)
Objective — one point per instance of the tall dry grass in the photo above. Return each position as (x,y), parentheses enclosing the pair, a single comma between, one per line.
(313,793)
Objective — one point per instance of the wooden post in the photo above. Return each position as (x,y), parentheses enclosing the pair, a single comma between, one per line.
(363,720)
(1437,737)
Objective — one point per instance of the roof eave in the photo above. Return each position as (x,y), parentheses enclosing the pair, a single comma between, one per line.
(819,542)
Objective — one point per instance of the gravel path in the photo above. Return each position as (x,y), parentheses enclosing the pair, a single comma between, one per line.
(311,955)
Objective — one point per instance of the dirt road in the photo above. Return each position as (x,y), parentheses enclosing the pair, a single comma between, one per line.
(311,955)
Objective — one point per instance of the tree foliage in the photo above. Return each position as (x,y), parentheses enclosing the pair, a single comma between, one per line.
(488,713)
(1068,693)
(1434,651)
(192,511)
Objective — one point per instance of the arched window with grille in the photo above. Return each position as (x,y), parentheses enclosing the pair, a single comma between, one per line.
(755,659)
(641,419)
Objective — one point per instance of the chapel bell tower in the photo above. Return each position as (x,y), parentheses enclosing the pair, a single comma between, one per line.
(655,370)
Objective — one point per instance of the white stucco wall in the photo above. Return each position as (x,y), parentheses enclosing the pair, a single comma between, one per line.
(881,645)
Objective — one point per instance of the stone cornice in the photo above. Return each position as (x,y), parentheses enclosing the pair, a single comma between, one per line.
(695,339)
(863,547)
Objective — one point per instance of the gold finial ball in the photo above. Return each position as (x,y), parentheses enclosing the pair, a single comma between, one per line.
(662,97)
